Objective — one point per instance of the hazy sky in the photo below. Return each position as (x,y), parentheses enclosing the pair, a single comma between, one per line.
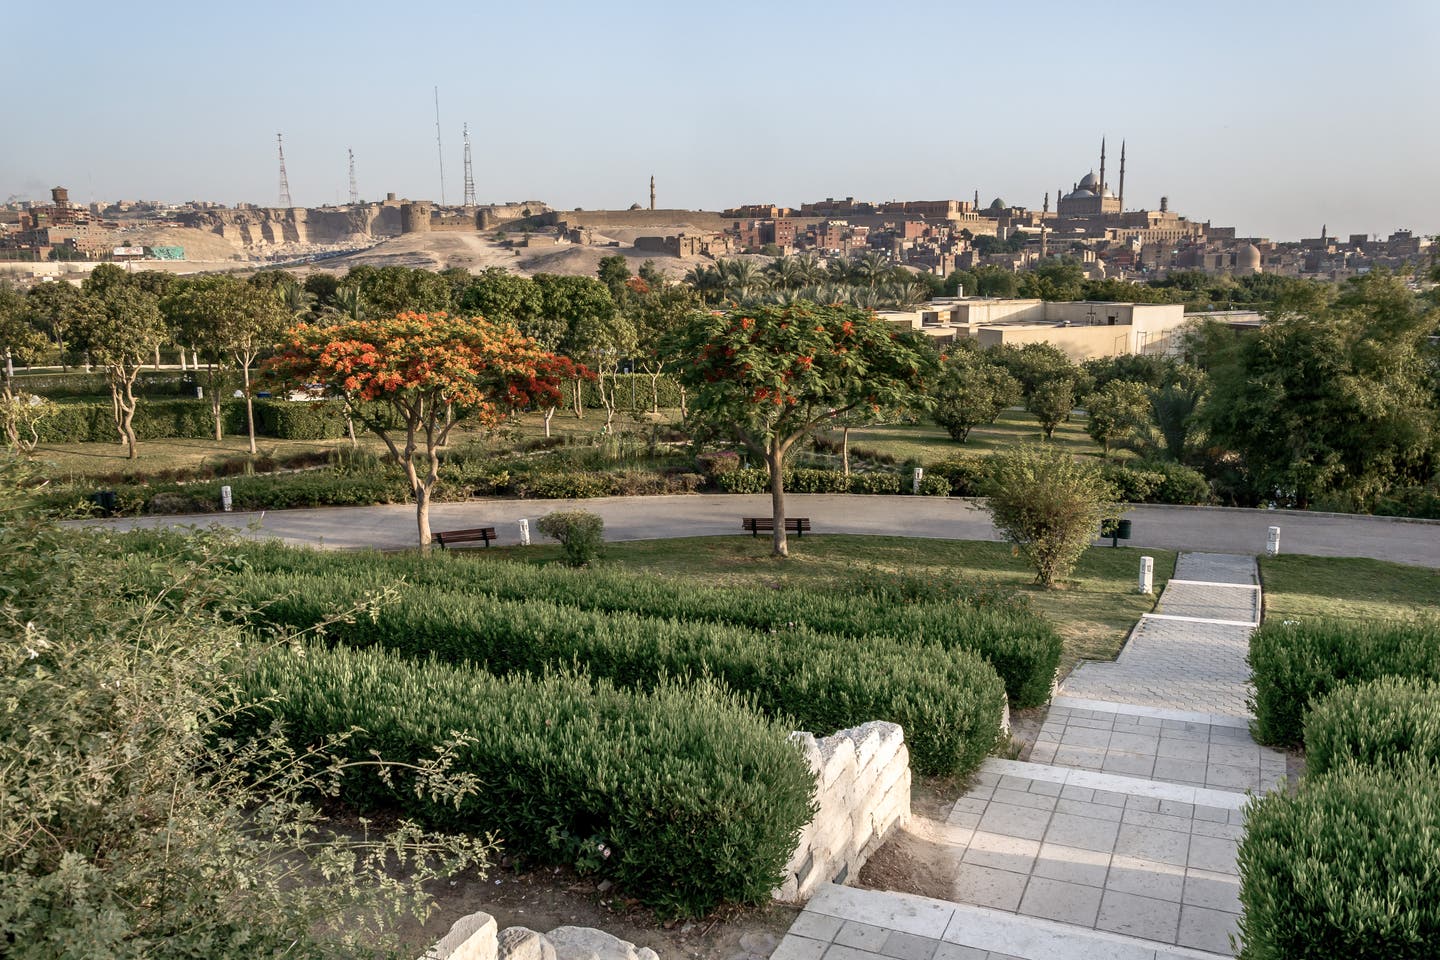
(1271,116)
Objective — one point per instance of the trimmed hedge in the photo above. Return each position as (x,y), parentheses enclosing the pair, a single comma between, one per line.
(1345,868)
(966,475)
(1296,664)
(311,488)
(93,422)
(1021,645)
(948,700)
(1388,722)
(625,383)
(1157,481)
(698,800)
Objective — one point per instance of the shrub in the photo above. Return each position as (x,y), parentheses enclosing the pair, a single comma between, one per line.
(948,700)
(1022,646)
(748,480)
(1295,664)
(684,483)
(1132,484)
(874,483)
(697,800)
(1383,723)
(716,465)
(816,481)
(931,486)
(581,534)
(579,485)
(966,474)
(1343,868)
(300,420)
(1157,481)
(1048,504)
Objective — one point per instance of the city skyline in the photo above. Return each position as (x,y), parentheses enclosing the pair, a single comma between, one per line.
(1249,118)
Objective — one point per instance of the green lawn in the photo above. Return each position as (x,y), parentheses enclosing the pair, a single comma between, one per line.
(1298,587)
(927,443)
(1093,613)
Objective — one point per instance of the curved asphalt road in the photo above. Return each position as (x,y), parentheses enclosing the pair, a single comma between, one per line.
(1203,529)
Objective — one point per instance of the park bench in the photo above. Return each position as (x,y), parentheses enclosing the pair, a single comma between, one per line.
(447,537)
(758,525)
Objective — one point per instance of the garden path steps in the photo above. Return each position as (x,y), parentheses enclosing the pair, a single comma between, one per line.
(1116,839)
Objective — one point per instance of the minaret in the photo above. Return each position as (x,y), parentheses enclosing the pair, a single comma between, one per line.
(1122,176)
(652,191)
(977,199)
(1101,191)
(1322,234)
(1046,208)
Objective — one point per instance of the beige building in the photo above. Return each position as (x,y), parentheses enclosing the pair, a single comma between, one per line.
(1084,329)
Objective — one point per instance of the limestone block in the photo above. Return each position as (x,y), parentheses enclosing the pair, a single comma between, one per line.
(787,892)
(586,943)
(1005,715)
(892,741)
(522,943)
(809,749)
(470,938)
(866,738)
(838,755)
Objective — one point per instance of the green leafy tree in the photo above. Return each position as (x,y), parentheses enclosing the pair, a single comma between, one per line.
(971,390)
(1174,406)
(229,319)
(119,326)
(1049,504)
(51,308)
(132,828)
(391,290)
(1119,414)
(656,313)
(504,297)
(20,342)
(771,376)
(1058,278)
(578,316)
(1051,403)
(613,271)
(1331,399)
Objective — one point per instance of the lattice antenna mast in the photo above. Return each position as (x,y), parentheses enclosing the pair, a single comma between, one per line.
(439,147)
(354,190)
(469,171)
(284,177)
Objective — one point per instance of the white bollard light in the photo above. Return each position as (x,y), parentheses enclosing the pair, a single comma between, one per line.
(199,392)
(524,533)
(919,475)
(1272,548)
(1147,575)
(225,499)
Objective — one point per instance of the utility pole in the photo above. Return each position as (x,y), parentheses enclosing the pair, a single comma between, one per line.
(439,147)
(284,177)
(469,171)
(354,190)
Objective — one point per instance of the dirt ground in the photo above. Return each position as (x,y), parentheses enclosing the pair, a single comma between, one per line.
(546,898)
(921,857)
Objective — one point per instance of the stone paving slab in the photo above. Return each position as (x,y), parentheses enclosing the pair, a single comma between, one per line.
(1217,568)
(1219,601)
(843,923)
(1219,756)
(1056,844)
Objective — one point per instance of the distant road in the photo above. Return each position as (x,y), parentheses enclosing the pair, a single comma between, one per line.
(1207,529)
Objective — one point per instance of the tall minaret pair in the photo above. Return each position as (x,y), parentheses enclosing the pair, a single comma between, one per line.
(1121,196)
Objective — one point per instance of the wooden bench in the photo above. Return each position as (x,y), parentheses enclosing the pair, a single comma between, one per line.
(758,525)
(447,537)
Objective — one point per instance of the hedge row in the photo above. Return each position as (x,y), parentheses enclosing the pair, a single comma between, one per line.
(1388,722)
(1295,664)
(627,386)
(948,700)
(698,800)
(311,488)
(756,480)
(1346,867)
(1021,645)
(93,422)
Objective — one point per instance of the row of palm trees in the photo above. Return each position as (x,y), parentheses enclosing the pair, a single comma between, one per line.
(869,281)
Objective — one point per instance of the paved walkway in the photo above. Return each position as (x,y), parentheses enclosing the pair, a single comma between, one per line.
(643,518)
(1117,838)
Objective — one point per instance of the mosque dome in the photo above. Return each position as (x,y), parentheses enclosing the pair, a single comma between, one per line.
(1081,194)
(1089,182)
(997,204)
(1247,259)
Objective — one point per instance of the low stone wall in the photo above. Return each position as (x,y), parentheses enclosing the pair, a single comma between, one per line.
(862,787)
(475,937)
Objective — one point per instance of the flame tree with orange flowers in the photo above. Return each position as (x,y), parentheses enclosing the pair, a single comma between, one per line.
(770,376)
(430,372)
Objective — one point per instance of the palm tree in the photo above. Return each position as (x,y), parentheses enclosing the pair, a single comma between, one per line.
(866,298)
(742,280)
(296,300)
(706,281)
(906,293)
(872,268)
(786,272)
(838,270)
(810,268)
(349,303)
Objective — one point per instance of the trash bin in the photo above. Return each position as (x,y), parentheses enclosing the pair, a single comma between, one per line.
(1124,531)
(104,501)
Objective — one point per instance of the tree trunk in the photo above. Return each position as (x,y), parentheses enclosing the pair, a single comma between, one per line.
(422,504)
(157,356)
(655,392)
(775,460)
(125,411)
(350,427)
(845,449)
(682,403)
(549,413)
(579,400)
(249,410)
(216,408)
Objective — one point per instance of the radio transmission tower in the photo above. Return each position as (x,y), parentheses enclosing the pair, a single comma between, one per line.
(284,177)
(469,171)
(354,190)
(439,147)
